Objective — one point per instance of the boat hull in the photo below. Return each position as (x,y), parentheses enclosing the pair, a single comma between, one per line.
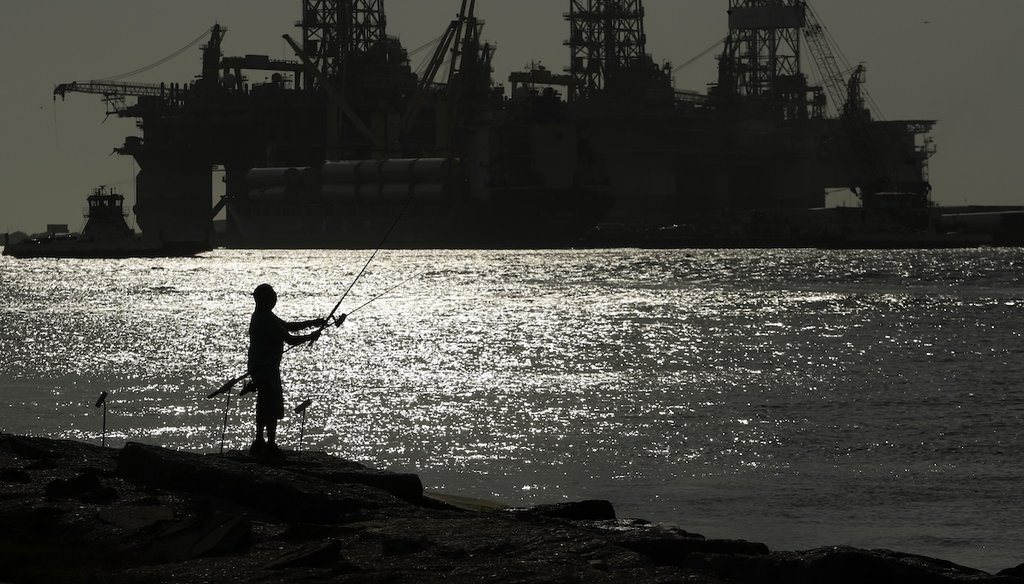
(72,248)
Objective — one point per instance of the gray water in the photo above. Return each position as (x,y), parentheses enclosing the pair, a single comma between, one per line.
(796,397)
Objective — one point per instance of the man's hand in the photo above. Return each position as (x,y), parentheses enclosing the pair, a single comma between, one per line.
(319,323)
(313,336)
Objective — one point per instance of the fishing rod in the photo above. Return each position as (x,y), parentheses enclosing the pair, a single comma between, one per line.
(367,264)
(102,402)
(224,426)
(231,383)
(251,387)
(301,409)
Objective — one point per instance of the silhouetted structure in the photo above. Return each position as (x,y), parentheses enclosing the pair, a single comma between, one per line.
(327,151)
(106,234)
(606,39)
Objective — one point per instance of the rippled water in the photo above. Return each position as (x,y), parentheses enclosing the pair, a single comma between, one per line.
(795,397)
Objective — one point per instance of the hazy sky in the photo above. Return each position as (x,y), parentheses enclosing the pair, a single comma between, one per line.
(956,61)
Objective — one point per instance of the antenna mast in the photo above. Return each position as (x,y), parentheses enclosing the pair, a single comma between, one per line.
(606,37)
(335,30)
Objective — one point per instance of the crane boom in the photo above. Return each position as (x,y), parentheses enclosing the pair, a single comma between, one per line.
(110,89)
(115,93)
(874,176)
(426,80)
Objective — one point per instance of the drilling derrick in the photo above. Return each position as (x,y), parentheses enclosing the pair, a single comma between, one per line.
(761,61)
(606,38)
(334,30)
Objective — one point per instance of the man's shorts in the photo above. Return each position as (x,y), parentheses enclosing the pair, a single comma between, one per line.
(269,397)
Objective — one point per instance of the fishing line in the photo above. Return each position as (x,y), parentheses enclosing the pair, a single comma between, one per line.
(231,383)
(384,293)
(367,264)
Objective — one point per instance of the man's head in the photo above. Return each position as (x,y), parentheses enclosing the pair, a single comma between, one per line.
(265,297)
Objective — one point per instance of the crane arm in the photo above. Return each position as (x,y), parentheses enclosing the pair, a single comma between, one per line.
(115,93)
(426,80)
(857,123)
(111,89)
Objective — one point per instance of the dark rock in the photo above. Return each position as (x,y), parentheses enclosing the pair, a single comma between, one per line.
(403,545)
(135,517)
(15,475)
(29,514)
(270,489)
(671,547)
(324,555)
(591,510)
(9,495)
(405,486)
(218,534)
(73,487)
(30,448)
(1017,572)
(42,464)
(836,565)
(85,487)
(185,517)
(882,566)
(306,532)
(100,496)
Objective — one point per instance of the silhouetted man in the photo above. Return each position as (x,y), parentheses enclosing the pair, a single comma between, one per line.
(267,336)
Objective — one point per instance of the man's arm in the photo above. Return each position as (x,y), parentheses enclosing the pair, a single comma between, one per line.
(305,324)
(286,329)
(300,339)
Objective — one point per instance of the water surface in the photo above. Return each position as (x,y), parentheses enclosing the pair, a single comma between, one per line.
(795,397)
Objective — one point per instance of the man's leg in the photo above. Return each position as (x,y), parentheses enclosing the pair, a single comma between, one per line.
(258,445)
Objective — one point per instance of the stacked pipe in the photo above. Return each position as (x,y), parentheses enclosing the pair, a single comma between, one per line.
(273,185)
(386,181)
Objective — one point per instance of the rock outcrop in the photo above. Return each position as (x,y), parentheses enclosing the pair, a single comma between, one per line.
(71,512)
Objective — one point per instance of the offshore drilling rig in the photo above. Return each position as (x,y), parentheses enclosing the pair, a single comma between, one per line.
(760,148)
(347,136)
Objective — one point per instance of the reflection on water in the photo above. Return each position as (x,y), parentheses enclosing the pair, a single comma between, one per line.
(796,397)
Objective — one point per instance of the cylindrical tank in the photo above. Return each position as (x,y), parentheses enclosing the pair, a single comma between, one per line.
(397,169)
(391,170)
(341,172)
(395,192)
(414,169)
(428,191)
(431,169)
(338,193)
(269,177)
(311,180)
(369,171)
(269,194)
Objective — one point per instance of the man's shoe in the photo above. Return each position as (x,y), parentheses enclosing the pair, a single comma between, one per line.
(272,451)
(258,448)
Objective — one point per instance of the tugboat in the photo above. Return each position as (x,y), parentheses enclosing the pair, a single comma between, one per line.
(106,235)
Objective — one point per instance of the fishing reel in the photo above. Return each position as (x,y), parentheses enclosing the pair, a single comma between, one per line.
(340,320)
(249,387)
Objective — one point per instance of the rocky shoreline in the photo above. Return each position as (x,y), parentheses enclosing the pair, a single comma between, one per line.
(73,513)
